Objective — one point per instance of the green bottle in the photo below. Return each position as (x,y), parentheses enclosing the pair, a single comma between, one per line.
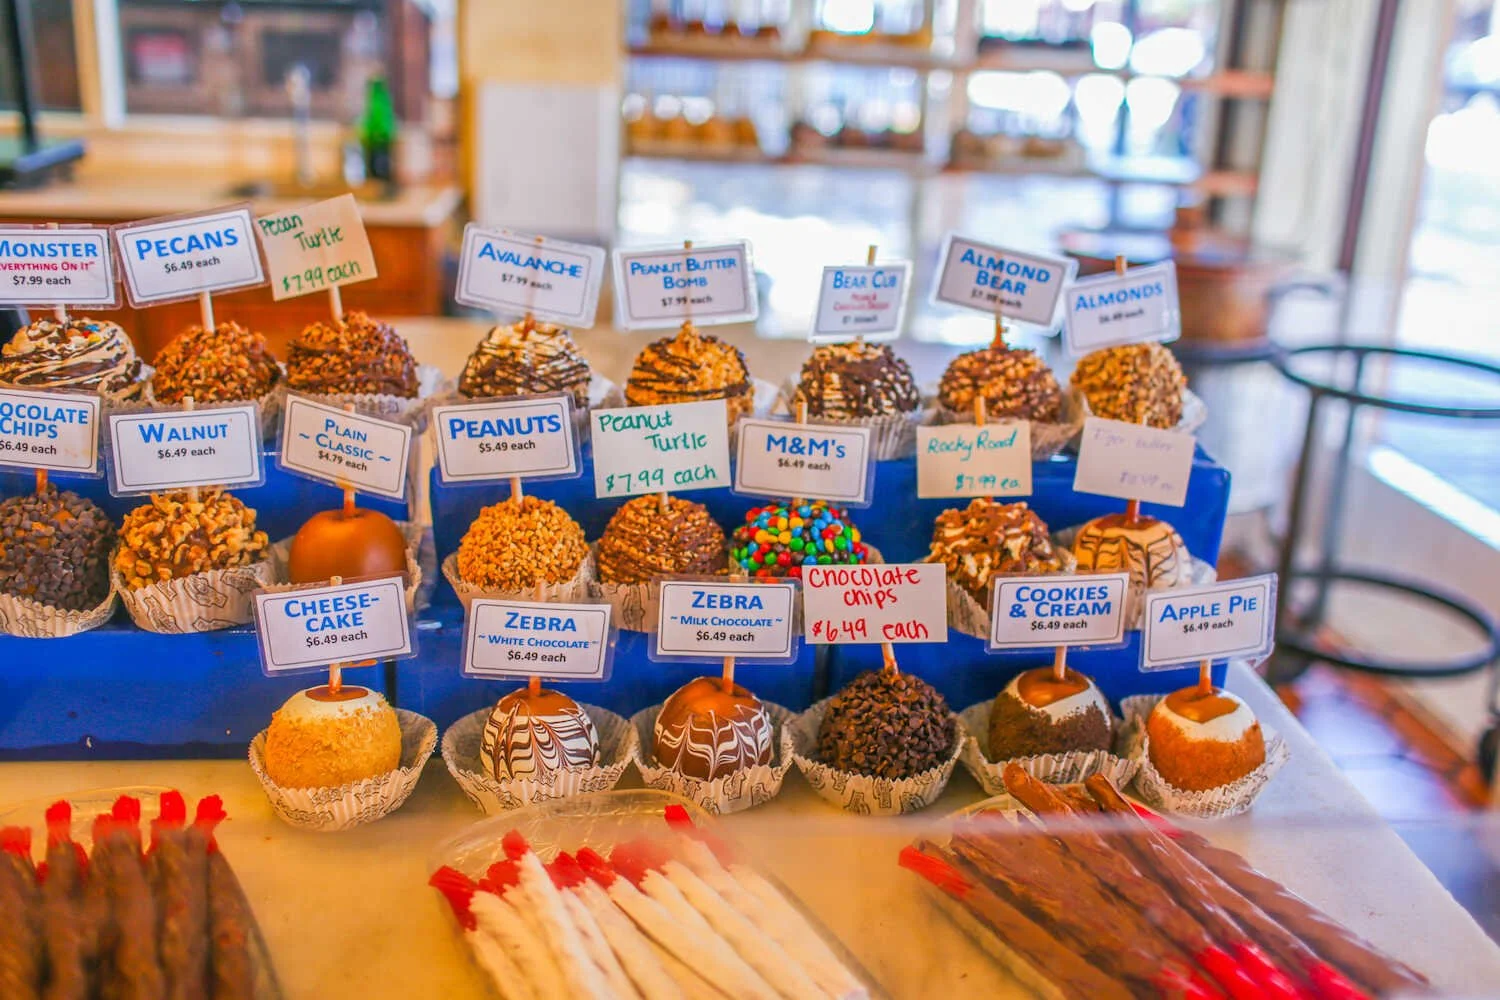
(377,131)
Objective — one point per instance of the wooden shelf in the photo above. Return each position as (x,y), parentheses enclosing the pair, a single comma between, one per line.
(863,159)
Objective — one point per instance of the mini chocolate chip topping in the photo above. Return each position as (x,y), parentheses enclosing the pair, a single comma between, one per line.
(886,724)
(54,549)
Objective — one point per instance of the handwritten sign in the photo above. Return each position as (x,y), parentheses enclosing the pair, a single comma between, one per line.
(710,620)
(311,627)
(892,602)
(960,460)
(57,431)
(528,437)
(69,265)
(168,259)
(1051,611)
(514,274)
(651,449)
(992,279)
(1187,625)
(1134,462)
(169,450)
(865,302)
(780,459)
(665,286)
(1113,309)
(526,639)
(316,247)
(352,449)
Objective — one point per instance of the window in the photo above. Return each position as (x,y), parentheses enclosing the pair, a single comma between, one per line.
(49,27)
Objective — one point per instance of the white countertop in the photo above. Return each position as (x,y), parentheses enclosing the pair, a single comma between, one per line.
(350,915)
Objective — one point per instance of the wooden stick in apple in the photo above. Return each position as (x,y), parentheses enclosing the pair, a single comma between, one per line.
(888,658)
(41,480)
(59,311)
(335,670)
(336,304)
(1060,664)
(859,338)
(206,310)
(1205,677)
(187,407)
(998,340)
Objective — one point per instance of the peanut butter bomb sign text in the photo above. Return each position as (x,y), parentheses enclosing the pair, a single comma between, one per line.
(899,602)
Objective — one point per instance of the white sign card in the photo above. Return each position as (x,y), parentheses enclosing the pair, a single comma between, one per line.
(1131,308)
(1134,462)
(713,619)
(963,460)
(780,459)
(866,301)
(311,627)
(169,259)
(346,449)
(529,437)
(161,450)
(991,279)
(66,265)
(664,286)
(652,449)
(566,642)
(515,273)
(1236,618)
(56,431)
(316,247)
(1052,611)
(873,603)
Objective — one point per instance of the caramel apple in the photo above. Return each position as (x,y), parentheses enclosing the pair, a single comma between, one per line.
(708,729)
(1037,714)
(886,724)
(323,738)
(350,543)
(1204,737)
(537,735)
(1149,549)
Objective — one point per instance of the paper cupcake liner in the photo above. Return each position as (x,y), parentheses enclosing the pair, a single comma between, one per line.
(1054,768)
(203,602)
(1047,439)
(860,793)
(892,435)
(1194,412)
(1215,803)
(280,553)
(1200,574)
(28,619)
(397,409)
(328,810)
(968,616)
(617,743)
(634,606)
(744,789)
(582,587)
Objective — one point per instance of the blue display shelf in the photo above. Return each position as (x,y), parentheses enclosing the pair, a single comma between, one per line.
(433,685)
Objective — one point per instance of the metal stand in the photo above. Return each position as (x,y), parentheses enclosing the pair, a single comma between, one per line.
(1298,645)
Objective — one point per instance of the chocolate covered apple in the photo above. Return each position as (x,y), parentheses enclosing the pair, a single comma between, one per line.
(1038,713)
(1147,548)
(711,728)
(536,735)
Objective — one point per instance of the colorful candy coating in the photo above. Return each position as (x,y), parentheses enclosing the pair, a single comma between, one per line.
(777,539)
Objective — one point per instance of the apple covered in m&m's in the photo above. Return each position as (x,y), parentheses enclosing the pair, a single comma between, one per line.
(778,539)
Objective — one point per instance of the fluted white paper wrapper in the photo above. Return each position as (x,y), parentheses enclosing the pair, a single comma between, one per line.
(892,435)
(1200,574)
(583,586)
(744,789)
(328,810)
(860,793)
(280,552)
(1053,768)
(1215,803)
(634,605)
(21,616)
(396,409)
(1047,439)
(203,602)
(967,615)
(617,748)
(1194,412)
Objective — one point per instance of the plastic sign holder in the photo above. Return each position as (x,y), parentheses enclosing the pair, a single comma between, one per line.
(337,625)
(348,449)
(50,432)
(875,603)
(1059,611)
(865,302)
(516,274)
(317,248)
(1130,307)
(706,619)
(56,266)
(160,449)
(1234,619)
(655,449)
(780,458)
(1134,462)
(662,287)
(1025,287)
(513,437)
(538,640)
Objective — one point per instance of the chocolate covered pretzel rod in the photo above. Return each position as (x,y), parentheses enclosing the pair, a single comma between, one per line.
(63,918)
(20,917)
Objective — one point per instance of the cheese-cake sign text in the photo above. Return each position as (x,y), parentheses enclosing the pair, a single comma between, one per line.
(663,287)
(526,639)
(311,627)
(700,620)
(526,438)
(1131,308)
(64,266)
(515,273)
(883,602)
(661,449)
(1051,611)
(55,431)
(164,260)
(1021,286)
(1233,619)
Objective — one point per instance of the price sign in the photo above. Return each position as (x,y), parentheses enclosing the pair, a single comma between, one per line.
(1236,618)
(711,620)
(651,449)
(351,449)
(529,437)
(867,302)
(514,274)
(170,450)
(665,286)
(992,279)
(1131,308)
(56,431)
(875,603)
(168,259)
(69,265)
(311,627)
(961,460)
(1134,462)
(780,459)
(524,639)
(1052,611)
(316,247)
